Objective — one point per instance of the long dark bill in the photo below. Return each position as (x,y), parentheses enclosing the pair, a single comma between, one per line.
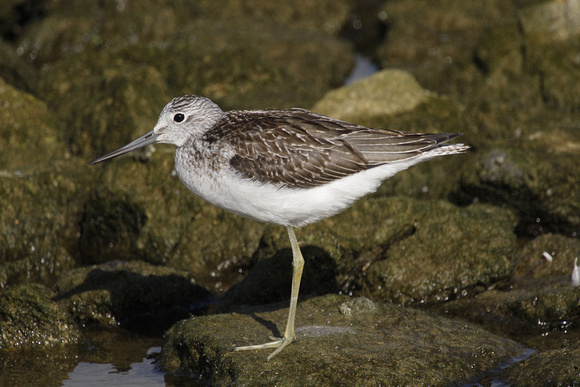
(146,139)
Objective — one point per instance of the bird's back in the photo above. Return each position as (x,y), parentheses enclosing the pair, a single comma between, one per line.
(296,148)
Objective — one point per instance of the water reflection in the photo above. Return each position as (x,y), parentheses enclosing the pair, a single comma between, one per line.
(140,374)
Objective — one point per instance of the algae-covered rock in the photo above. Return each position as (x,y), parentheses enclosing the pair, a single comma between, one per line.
(550,21)
(452,252)
(71,27)
(48,366)
(541,189)
(557,367)
(433,40)
(42,192)
(142,211)
(502,72)
(326,17)
(393,99)
(394,249)
(110,227)
(30,318)
(102,101)
(551,30)
(269,279)
(540,300)
(39,223)
(128,294)
(14,69)
(242,59)
(385,93)
(549,255)
(383,344)
(499,52)
(526,312)
(29,132)
(557,66)
(266,67)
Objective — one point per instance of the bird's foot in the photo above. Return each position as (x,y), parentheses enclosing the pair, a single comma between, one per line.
(278,343)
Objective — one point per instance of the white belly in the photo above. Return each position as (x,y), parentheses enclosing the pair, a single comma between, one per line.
(285,206)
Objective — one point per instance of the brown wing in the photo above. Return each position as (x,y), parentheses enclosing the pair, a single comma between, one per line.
(298,148)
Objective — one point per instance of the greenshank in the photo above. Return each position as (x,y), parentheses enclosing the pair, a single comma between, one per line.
(289,167)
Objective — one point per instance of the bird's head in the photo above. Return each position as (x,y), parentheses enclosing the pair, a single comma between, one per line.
(181,119)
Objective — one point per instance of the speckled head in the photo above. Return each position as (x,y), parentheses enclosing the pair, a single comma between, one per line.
(186,116)
(182,118)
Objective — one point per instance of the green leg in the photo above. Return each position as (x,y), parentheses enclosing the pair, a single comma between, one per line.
(297,266)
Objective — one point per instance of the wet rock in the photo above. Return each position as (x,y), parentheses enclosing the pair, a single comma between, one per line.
(500,53)
(71,27)
(14,69)
(385,93)
(451,253)
(268,67)
(393,249)
(133,294)
(434,41)
(110,227)
(42,192)
(357,306)
(549,255)
(68,28)
(239,59)
(102,101)
(39,366)
(324,17)
(39,228)
(558,367)
(525,313)
(556,66)
(269,279)
(393,99)
(541,189)
(30,318)
(551,20)
(551,31)
(180,230)
(29,139)
(540,300)
(506,74)
(382,345)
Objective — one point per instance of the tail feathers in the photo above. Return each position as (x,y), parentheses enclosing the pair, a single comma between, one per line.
(446,149)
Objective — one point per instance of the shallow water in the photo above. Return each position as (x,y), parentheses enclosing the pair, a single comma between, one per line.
(124,358)
(363,68)
(142,373)
(110,359)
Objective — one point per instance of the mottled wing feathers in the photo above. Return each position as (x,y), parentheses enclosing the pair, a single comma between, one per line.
(298,148)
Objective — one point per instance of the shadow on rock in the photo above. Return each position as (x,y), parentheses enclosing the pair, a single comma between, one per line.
(270,279)
(130,294)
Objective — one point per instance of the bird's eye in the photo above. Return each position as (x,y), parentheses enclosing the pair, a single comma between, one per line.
(179,117)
